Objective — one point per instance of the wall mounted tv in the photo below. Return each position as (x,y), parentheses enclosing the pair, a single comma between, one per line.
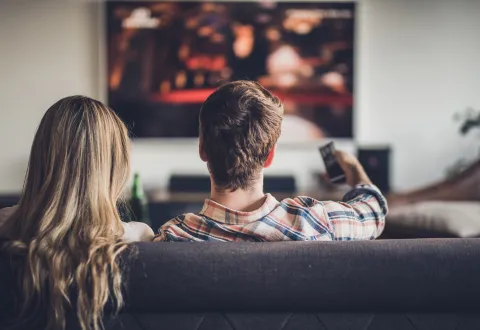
(165,58)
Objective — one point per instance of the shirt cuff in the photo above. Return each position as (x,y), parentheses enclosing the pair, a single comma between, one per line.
(368,189)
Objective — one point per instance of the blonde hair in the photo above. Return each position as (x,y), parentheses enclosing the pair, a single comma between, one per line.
(67,225)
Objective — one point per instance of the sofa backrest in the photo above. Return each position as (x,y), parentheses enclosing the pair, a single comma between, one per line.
(398,275)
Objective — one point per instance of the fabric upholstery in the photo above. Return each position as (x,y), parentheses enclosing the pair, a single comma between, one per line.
(397,284)
(436,219)
(295,321)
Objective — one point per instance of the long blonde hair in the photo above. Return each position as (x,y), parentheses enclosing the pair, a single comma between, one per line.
(67,225)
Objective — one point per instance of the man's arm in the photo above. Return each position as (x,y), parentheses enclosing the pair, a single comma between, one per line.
(361,215)
(173,231)
(163,232)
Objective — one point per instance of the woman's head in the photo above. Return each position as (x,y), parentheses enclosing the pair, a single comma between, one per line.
(79,163)
(67,221)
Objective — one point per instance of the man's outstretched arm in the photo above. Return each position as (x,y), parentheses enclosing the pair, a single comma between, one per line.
(361,214)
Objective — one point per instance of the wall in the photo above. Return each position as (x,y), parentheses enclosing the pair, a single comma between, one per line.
(47,51)
(416,66)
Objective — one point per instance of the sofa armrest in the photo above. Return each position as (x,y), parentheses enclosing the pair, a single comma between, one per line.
(463,187)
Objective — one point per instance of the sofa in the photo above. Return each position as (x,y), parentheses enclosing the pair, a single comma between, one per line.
(448,208)
(375,285)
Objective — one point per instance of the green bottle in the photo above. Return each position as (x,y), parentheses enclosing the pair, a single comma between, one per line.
(139,202)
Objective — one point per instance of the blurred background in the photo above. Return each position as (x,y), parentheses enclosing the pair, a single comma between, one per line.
(165,58)
(388,77)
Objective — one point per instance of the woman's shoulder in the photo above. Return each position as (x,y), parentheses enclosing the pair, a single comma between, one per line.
(6,213)
(137,232)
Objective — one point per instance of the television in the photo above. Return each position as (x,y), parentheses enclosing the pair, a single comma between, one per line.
(165,58)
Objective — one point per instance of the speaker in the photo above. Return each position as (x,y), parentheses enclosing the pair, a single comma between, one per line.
(201,183)
(189,183)
(376,162)
(279,184)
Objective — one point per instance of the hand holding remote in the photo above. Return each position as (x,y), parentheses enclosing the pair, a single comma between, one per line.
(354,172)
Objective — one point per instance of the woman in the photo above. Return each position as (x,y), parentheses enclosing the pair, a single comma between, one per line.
(66,228)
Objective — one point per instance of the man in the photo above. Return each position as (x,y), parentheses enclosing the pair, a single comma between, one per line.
(239,127)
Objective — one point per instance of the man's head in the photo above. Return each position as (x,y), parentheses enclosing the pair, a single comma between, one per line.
(239,126)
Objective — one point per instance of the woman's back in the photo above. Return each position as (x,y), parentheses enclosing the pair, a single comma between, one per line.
(134,231)
(4,215)
(66,228)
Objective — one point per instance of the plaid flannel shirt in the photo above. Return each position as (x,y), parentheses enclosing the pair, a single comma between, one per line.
(361,216)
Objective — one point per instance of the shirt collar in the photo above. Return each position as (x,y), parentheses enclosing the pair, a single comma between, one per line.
(220,213)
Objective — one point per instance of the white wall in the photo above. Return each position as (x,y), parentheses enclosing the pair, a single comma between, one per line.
(417,65)
(47,51)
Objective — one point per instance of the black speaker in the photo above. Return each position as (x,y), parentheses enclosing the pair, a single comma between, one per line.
(279,184)
(201,183)
(189,183)
(376,162)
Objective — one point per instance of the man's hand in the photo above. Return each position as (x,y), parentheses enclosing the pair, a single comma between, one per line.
(354,172)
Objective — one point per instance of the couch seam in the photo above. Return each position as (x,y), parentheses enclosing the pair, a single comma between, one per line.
(201,321)
(286,321)
(138,321)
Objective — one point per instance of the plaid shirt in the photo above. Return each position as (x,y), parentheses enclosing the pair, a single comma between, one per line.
(361,216)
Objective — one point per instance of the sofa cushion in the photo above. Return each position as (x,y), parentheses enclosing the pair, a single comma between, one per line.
(435,219)
(294,321)
(302,279)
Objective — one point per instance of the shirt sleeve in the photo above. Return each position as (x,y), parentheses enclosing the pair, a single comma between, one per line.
(164,232)
(360,216)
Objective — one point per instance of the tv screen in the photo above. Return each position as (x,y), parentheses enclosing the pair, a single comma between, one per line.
(165,58)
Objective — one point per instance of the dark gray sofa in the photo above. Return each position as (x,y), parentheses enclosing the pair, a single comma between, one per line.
(391,284)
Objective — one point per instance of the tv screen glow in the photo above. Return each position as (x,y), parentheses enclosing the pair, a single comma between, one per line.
(165,58)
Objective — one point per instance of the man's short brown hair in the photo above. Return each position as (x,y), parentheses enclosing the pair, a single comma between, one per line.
(239,125)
